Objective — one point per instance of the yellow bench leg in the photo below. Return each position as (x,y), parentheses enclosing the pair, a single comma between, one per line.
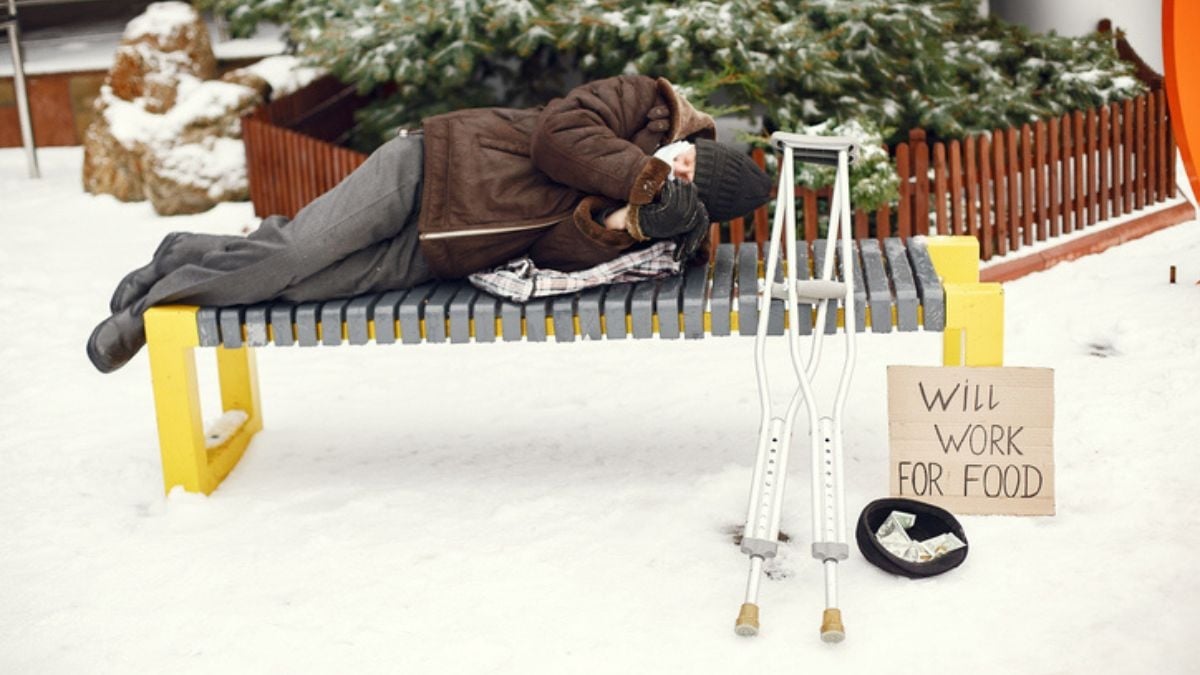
(188,459)
(974,333)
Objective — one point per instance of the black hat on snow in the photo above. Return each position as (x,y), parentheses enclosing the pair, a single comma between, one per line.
(729,182)
(931,521)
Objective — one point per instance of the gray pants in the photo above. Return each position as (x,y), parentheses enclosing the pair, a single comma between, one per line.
(359,237)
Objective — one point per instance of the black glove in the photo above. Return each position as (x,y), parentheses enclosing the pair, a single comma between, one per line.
(689,242)
(675,211)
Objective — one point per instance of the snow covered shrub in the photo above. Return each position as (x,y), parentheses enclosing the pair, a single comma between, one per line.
(931,64)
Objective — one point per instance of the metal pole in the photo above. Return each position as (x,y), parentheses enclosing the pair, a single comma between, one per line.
(14,39)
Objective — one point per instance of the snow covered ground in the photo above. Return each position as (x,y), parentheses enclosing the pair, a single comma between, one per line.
(562,508)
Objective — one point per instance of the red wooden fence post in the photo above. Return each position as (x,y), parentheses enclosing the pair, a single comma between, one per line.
(1093,173)
(1027,203)
(1151,149)
(939,182)
(1014,190)
(1079,145)
(1104,163)
(972,187)
(1158,146)
(1127,153)
(1068,176)
(985,196)
(1170,154)
(904,209)
(1117,170)
(1056,178)
(1000,177)
(810,214)
(920,155)
(956,187)
(1039,178)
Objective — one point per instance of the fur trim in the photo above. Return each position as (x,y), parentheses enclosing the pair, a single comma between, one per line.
(686,121)
(649,181)
(587,224)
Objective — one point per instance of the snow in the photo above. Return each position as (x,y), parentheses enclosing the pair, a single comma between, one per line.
(160,20)
(217,164)
(525,508)
(285,74)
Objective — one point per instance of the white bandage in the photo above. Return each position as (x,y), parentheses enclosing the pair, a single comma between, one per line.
(669,152)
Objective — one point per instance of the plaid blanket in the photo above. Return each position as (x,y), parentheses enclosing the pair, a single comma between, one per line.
(520,279)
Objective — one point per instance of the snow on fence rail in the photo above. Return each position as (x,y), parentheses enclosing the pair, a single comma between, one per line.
(1009,189)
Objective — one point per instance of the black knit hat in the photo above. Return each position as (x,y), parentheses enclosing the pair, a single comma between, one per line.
(729,182)
(931,521)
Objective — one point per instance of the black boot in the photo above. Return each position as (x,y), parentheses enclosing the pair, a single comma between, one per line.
(116,340)
(136,283)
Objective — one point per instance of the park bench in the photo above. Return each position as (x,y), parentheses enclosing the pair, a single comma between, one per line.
(928,283)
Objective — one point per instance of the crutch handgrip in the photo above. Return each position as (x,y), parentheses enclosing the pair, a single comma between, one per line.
(820,289)
(747,621)
(832,629)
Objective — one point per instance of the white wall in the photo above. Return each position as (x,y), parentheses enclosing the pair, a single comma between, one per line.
(1140,19)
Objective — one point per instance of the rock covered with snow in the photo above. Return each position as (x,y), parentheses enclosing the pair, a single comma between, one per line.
(159,48)
(165,129)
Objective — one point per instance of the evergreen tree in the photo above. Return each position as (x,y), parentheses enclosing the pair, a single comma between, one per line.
(875,67)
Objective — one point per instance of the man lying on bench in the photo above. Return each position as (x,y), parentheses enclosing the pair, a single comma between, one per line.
(570,185)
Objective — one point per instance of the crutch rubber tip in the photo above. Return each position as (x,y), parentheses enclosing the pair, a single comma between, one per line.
(747,621)
(832,629)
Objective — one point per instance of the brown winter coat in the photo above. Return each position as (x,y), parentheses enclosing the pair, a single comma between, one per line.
(500,183)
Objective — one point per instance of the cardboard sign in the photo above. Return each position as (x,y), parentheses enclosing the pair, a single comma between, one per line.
(973,440)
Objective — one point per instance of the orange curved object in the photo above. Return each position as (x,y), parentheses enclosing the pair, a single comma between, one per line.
(1181,59)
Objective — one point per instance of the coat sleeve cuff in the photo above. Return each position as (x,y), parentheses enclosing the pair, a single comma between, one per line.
(649,181)
(585,222)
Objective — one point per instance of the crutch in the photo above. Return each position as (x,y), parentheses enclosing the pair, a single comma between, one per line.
(760,539)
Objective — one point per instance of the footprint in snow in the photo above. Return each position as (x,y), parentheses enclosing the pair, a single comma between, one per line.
(1102,348)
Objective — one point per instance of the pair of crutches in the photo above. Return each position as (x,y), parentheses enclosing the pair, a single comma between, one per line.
(760,539)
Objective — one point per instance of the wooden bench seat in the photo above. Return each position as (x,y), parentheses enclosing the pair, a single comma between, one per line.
(896,286)
(927,283)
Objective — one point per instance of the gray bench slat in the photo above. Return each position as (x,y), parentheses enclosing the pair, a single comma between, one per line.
(589,305)
(747,291)
(333,313)
(902,281)
(208,327)
(562,308)
(695,288)
(668,306)
(460,314)
(484,310)
(775,313)
(804,310)
(510,320)
(282,315)
(385,315)
(722,291)
(359,313)
(535,319)
(230,319)
(929,286)
(641,308)
(306,323)
(256,325)
(860,288)
(616,306)
(818,267)
(437,311)
(412,310)
(879,295)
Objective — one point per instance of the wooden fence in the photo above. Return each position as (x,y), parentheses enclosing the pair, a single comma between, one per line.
(1010,188)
